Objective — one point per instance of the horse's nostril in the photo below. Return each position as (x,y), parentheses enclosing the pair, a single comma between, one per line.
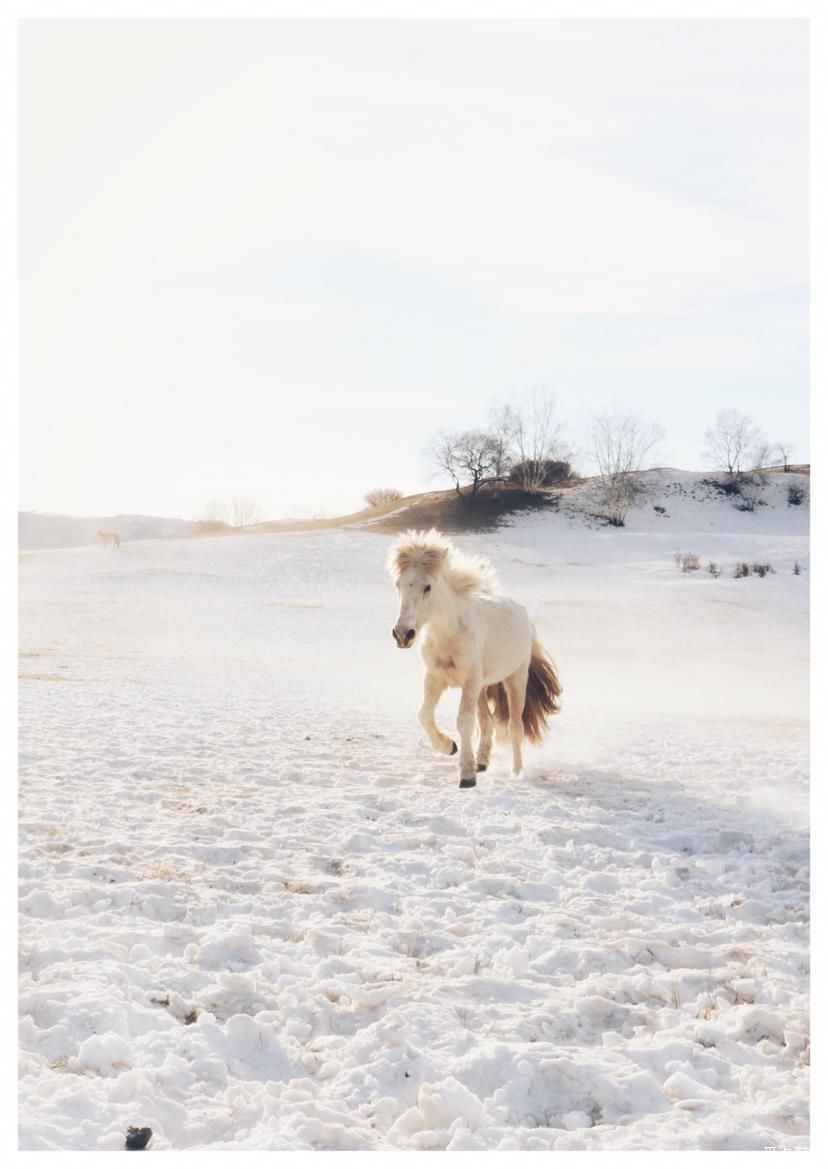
(412,633)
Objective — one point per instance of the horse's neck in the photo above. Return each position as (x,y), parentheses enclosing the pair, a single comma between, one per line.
(448,615)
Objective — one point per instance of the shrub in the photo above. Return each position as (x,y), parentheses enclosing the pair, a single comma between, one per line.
(725,486)
(661,510)
(750,493)
(742,569)
(381,495)
(540,472)
(744,488)
(762,569)
(796,494)
(613,496)
(797,569)
(714,569)
(686,561)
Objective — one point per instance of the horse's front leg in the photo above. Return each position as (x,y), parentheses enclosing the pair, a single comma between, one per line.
(465,725)
(433,687)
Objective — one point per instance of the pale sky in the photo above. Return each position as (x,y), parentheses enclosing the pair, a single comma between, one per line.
(271,258)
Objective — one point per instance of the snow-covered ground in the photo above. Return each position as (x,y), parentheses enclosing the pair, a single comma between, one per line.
(258,912)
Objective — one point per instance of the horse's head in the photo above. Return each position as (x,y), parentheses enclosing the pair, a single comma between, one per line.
(415,567)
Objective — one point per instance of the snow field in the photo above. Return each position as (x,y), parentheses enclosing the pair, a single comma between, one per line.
(257,912)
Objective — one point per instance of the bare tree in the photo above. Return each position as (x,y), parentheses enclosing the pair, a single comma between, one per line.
(473,457)
(215,514)
(535,435)
(734,444)
(621,445)
(441,454)
(244,511)
(502,422)
(380,495)
(761,458)
(785,451)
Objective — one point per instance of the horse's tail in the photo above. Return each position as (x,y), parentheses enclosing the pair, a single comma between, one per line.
(543,691)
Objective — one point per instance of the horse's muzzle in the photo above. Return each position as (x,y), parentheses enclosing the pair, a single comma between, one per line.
(404,640)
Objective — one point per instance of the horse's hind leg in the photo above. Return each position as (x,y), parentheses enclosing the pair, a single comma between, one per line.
(486,724)
(516,692)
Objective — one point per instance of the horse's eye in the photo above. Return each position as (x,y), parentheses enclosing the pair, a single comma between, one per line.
(427,589)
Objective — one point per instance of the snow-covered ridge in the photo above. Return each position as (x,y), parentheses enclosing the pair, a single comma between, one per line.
(257,912)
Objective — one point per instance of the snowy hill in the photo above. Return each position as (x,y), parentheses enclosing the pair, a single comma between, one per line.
(673,499)
(38,530)
(258,912)
(689,501)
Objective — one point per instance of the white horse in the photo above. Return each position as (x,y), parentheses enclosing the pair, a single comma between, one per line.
(475,639)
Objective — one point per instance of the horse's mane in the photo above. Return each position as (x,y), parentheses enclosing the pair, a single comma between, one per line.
(432,551)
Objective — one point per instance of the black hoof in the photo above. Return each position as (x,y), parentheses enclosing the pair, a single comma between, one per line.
(453,748)
(468,782)
(482,766)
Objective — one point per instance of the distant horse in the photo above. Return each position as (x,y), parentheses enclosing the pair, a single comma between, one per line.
(474,639)
(107,538)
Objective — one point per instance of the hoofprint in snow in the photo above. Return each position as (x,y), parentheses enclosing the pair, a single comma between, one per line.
(259,913)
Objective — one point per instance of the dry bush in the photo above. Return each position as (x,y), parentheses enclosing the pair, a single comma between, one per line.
(744,487)
(686,561)
(742,569)
(797,493)
(540,473)
(762,569)
(714,569)
(380,495)
(749,496)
